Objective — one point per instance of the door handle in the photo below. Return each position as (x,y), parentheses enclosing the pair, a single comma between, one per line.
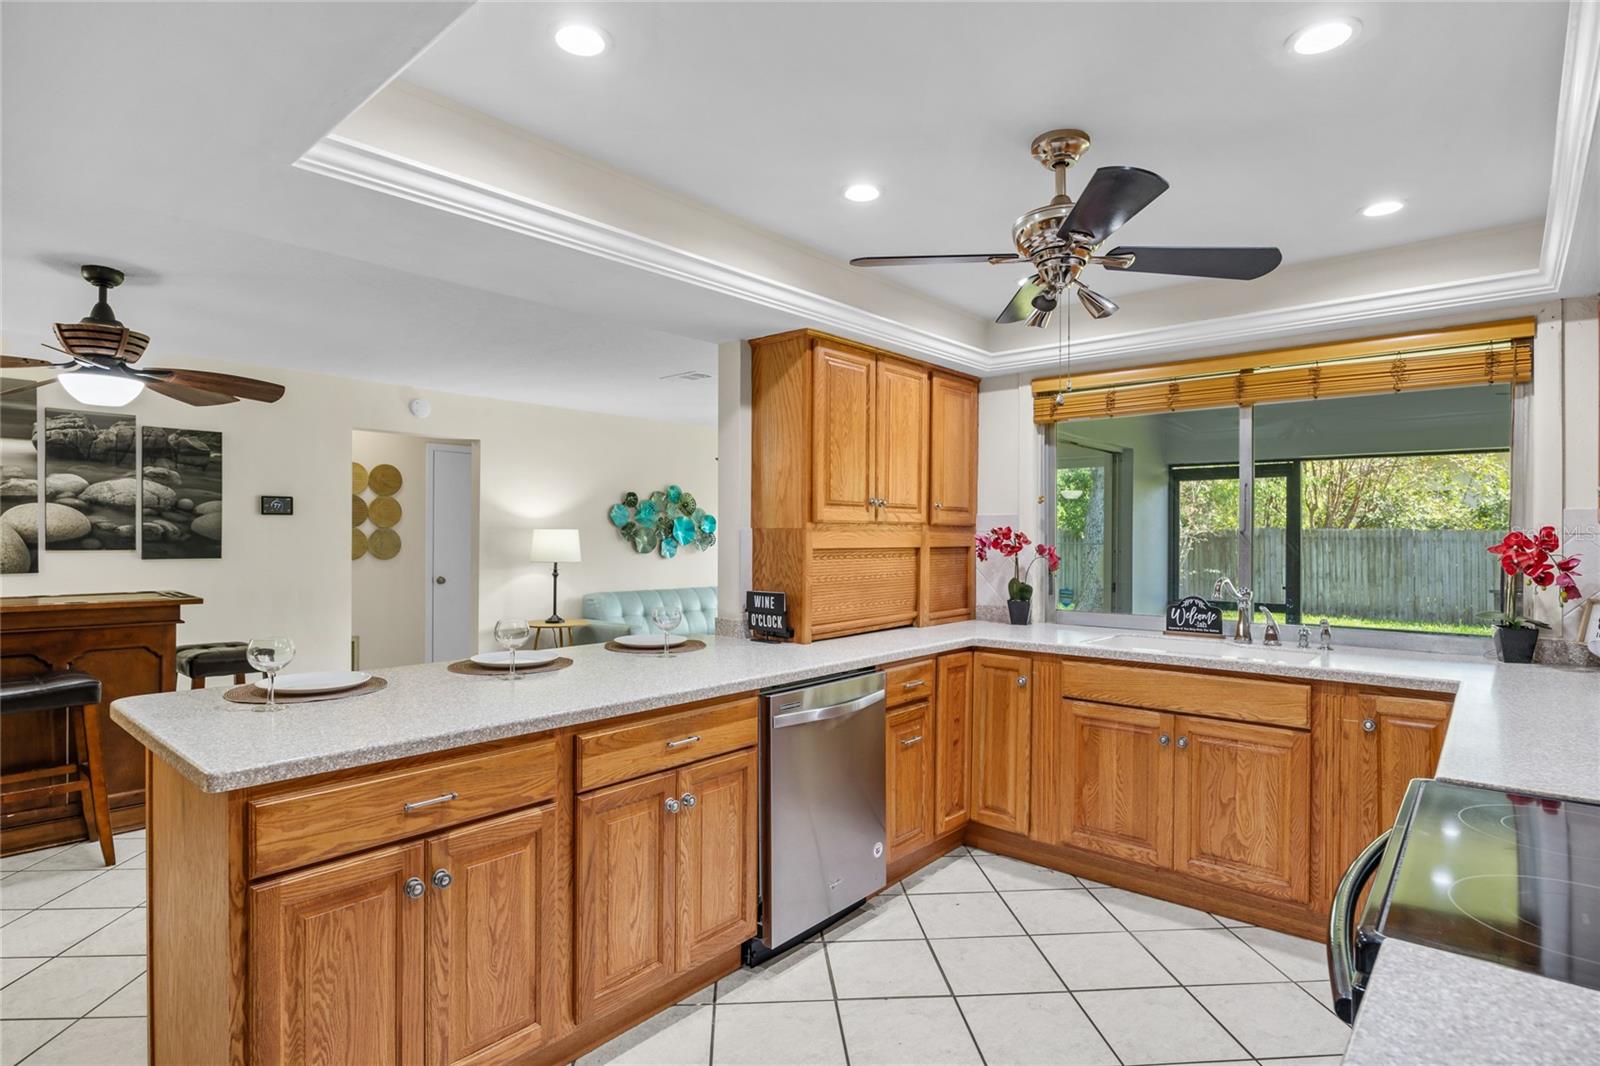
(417,805)
(823,714)
(439,580)
(911,740)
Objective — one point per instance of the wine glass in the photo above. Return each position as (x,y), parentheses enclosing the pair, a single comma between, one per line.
(666,620)
(268,655)
(511,634)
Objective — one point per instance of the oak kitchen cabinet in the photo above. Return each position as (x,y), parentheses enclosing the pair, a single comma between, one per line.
(908,786)
(1001,740)
(952,731)
(864,485)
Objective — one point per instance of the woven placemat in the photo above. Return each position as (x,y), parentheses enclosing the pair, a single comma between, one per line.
(257,693)
(688,645)
(467,666)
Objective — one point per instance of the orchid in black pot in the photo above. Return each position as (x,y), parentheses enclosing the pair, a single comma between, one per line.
(1535,561)
(1013,544)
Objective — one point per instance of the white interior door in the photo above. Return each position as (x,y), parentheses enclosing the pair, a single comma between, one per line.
(451,627)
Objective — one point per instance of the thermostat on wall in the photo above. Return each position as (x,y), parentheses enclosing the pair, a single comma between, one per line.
(277,505)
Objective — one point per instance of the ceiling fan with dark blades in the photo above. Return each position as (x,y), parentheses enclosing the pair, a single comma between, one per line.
(1064,236)
(101,355)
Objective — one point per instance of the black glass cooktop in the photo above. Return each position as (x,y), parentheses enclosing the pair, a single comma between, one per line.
(1499,876)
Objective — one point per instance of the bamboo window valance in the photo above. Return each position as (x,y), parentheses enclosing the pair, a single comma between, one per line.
(1495,352)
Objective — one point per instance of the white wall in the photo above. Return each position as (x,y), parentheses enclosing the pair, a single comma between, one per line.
(538,466)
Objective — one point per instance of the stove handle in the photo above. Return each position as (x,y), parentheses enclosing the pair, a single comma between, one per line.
(1341,929)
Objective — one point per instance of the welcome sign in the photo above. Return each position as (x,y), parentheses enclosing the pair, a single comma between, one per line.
(1194,617)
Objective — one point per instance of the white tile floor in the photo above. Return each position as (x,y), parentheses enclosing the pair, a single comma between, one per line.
(975,959)
(984,959)
(72,956)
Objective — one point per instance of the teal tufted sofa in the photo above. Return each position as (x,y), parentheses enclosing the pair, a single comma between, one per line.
(612,614)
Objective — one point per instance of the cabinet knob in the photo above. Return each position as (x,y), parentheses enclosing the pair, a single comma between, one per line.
(415,888)
(1368,725)
(442,878)
(1022,680)
(938,505)
(672,805)
(688,799)
(1183,742)
(1164,740)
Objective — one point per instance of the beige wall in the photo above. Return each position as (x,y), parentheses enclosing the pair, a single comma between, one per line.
(388,596)
(537,466)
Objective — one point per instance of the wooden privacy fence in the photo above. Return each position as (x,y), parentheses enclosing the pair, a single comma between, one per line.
(1421,575)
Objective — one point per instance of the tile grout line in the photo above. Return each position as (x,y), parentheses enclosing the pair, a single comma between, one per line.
(1067,988)
(833,989)
(927,942)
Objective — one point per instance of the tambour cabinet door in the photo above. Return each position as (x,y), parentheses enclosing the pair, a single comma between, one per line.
(626,884)
(716,826)
(908,751)
(953,742)
(336,963)
(953,448)
(1001,740)
(1114,781)
(494,975)
(1242,806)
(842,436)
(900,458)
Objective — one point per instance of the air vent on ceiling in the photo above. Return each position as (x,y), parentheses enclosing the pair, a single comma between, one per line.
(687,375)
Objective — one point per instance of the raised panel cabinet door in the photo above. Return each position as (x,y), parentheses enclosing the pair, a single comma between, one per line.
(626,885)
(1114,781)
(841,436)
(952,731)
(953,451)
(1242,806)
(336,963)
(493,971)
(1001,740)
(908,752)
(900,458)
(716,856)
(1385,740)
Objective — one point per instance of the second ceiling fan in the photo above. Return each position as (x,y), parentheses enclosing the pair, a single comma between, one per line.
(1064,236)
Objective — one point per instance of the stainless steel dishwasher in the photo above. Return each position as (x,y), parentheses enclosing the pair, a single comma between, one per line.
(822,849)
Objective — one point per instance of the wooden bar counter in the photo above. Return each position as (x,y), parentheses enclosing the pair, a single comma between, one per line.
(126,639)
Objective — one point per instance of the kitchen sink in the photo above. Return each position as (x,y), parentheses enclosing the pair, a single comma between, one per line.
(1205,648)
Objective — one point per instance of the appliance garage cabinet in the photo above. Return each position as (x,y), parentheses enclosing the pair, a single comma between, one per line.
(864,485)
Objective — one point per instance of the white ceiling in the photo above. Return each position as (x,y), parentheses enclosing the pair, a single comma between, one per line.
(766,111)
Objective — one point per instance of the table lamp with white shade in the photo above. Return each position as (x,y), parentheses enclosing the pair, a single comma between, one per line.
(555,546)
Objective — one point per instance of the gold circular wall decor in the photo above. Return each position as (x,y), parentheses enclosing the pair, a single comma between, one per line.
(384,543)
(384,480)
(358,510)
(384,512)
(358,544)
(358,478)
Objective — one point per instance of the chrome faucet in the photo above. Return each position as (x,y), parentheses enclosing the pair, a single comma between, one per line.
(1270,637)
(1247,614)
(1304,639)
(1325,637)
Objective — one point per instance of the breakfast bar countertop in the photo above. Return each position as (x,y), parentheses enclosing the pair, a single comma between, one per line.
(1520,727)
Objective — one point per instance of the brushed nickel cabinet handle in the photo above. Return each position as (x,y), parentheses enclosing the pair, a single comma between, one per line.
(1163,740)
(683,742)
(672,805)
(420,804)
(688,799)
(1021,681)
(1368,725)
(906,743)
(414,888)
(1183,742)
(442,878)
(918,683)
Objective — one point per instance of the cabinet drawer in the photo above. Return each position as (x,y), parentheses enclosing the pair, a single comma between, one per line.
(302,826)
(1240,699)
(606,756)
(909,681)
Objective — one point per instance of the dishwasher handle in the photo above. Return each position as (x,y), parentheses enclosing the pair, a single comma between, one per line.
(1341,921)
(825,714)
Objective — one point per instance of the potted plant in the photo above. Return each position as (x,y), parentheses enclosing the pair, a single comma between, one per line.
(1535,561)
(1011,544)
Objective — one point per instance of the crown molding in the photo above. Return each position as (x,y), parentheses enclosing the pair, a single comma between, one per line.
(360,164)
(1577,116)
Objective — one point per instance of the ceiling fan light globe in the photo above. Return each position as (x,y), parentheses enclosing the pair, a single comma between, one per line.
(1097,305)
(100,389)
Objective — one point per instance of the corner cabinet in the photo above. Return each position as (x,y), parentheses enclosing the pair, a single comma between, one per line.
(863,485)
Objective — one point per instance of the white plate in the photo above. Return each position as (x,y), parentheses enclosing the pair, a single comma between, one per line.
(316,681)
(501,660)
(650,640)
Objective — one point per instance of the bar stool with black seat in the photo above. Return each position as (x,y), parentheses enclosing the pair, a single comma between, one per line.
(219,659)
(78,694)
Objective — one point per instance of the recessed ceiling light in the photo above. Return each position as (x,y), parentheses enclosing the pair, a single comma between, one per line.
(861,194)
(1382,207)
(580,40)
(1323,37)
